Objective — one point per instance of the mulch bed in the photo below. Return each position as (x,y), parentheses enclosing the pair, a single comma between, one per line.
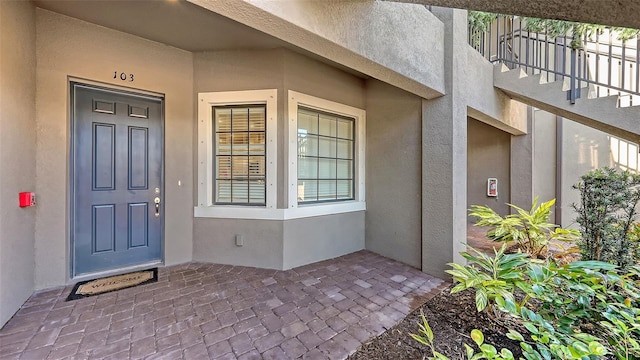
(451,317)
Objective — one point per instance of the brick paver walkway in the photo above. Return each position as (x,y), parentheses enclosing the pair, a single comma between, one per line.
(197,310)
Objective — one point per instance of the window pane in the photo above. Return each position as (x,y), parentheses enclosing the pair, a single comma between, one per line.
(256,191)
(256,166)
(344,189)
(241,139)
(327,125)
(326,160)
(240,119)
(223,167)
(307,121)
(223,191)
(257,143)
(307,168)
(326,189)
(327,147)
(223,119)
(345,169)
(240,192)
(240,166)
(240,143)
(326,168)
(307,145)
(345,149)
(257,119)
(307,190)
(345,129)
(223,144)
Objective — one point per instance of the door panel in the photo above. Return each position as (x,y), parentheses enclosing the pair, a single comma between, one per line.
(117,175)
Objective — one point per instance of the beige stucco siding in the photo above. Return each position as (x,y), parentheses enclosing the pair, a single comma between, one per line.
(17,153)
(66,48)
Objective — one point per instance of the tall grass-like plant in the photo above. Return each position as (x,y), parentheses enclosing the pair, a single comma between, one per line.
(529,229)
(606,215)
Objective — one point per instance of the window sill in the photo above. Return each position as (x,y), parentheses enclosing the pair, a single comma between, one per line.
(304,211)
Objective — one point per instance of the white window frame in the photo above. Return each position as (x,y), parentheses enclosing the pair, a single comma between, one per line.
(206,101)
(295,210)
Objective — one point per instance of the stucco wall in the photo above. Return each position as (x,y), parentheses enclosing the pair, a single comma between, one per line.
(583,149)
(17,153)
(276,243)
(488,156)
(544,156)
(395,43)
(394,191)
(67,47)
(308,240)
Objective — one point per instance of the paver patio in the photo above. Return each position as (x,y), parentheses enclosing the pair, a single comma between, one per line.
(198,310)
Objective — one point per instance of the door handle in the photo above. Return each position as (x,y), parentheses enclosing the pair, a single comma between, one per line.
(157,202)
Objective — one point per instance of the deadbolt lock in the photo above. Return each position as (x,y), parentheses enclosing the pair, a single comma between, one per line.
(156,200)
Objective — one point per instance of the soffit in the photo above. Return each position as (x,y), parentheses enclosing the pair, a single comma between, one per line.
(623,13)
(176,23)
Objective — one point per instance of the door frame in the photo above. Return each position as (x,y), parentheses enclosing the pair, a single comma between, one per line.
(73,83)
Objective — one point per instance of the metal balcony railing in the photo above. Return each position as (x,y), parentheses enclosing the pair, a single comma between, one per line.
(603,66)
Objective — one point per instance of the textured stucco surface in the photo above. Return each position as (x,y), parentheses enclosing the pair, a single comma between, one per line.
(394,190)
(488,156)
(617,13)
(544,156)
(488,104)
(214,241)
(583,149)
(17,153)
(309,240)
(67,47)
(522,168)
(444,155)
(396,43)
(599,113)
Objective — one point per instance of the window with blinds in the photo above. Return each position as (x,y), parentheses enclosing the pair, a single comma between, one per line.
(240,154)
(326,163)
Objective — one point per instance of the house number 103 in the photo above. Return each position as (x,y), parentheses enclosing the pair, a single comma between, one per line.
(123,76)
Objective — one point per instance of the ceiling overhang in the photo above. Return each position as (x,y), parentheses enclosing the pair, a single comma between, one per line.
(624,13)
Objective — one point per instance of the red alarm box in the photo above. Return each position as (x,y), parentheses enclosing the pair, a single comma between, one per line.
(27,199)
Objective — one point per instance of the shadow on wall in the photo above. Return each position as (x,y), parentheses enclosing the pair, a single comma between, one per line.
(586,149)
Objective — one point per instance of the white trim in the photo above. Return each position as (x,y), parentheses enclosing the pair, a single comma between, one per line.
(296,99)
(206,101)
(246,212)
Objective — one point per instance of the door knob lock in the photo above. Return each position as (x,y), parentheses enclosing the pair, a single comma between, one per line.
(157,202)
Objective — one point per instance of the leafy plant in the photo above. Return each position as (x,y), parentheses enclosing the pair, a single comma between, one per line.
(573,310)
(530,230)
(606,214)
(491,277)
(487,351)
(426,337)
(481,21)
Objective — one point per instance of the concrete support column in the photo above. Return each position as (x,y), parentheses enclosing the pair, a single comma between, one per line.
(522,166)
(444,155)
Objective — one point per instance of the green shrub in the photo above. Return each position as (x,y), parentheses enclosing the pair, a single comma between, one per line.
(606,215)
(530,230)
(585,308)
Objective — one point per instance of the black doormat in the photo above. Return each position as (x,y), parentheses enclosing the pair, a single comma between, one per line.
(112,283)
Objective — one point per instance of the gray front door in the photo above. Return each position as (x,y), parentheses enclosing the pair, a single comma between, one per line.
(117,179)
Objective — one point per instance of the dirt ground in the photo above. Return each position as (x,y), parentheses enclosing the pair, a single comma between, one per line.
(452,317)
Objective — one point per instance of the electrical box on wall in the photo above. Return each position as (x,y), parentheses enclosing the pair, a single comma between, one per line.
(492,187)
(27,199)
